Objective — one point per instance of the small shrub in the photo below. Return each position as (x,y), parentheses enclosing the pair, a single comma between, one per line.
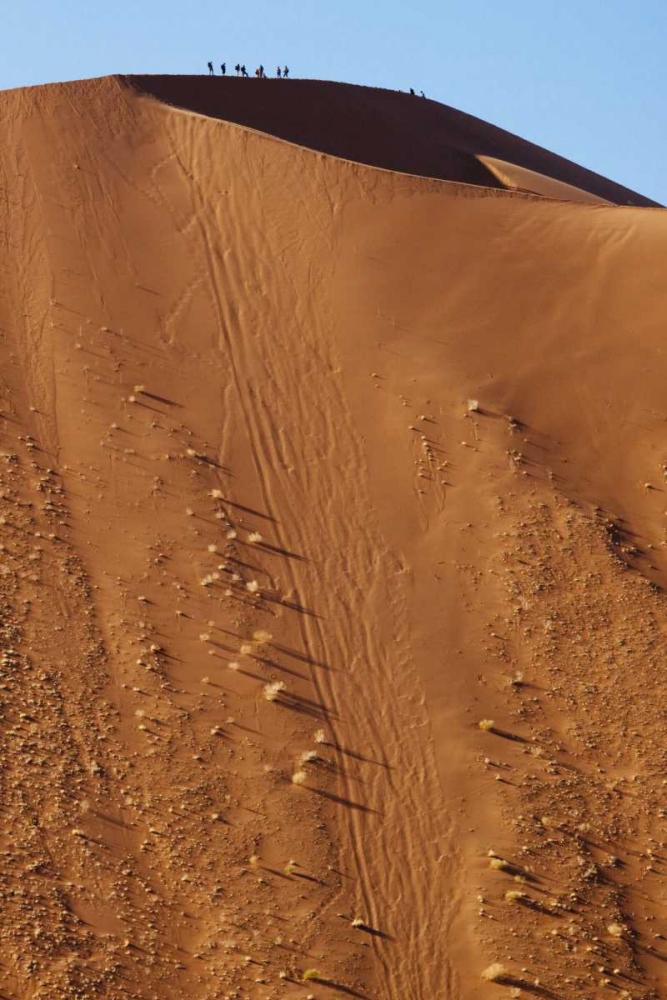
(311,974)
(514,896)
(272,690)
(486,725)
(494,973)
(299,777)
(498,864)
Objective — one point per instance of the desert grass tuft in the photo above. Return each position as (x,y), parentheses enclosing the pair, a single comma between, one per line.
(494,973)
(514,896)
(273,689)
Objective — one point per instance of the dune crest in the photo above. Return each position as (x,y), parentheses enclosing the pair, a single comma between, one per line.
(332,506)
(380,128)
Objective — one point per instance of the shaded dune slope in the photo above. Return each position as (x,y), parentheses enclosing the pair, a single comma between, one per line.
(377,127)
(238,451)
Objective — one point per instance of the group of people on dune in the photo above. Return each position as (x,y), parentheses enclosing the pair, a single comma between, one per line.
(281,72)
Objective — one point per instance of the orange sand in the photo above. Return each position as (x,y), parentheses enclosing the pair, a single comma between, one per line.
(395,442)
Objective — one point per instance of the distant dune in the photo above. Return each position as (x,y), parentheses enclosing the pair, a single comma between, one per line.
(332,504)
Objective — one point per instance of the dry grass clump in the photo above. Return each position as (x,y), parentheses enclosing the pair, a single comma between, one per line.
(261,636)
(494,973)
(299,777)
(514,896)
(273,689)
(252,586)
(320,736)
(486,725)
(616,930)
(498,864)
(254,538)
(311,974)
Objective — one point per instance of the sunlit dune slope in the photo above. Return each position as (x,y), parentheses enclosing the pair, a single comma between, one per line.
(379,127)
(332,514)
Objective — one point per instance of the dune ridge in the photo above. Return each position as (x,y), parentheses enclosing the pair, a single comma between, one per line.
(377,127)
(333,565)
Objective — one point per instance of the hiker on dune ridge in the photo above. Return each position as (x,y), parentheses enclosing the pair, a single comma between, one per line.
(210,69)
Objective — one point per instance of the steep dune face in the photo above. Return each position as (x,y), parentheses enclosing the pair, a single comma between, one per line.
(266,569)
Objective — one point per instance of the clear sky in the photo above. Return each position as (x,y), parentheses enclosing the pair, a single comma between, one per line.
(585,78)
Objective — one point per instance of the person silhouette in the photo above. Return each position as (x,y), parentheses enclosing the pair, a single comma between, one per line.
(412,91)
(261,72)
(238,68)
(279,72)
(210,69)
(244,71)
(285,73)
(223,69)
(422,94)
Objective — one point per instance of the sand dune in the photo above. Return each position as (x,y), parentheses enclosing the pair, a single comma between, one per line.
(333,553)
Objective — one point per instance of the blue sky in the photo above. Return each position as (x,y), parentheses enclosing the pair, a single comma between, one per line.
(585,78)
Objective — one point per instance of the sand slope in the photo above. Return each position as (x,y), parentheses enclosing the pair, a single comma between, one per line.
(238,452)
